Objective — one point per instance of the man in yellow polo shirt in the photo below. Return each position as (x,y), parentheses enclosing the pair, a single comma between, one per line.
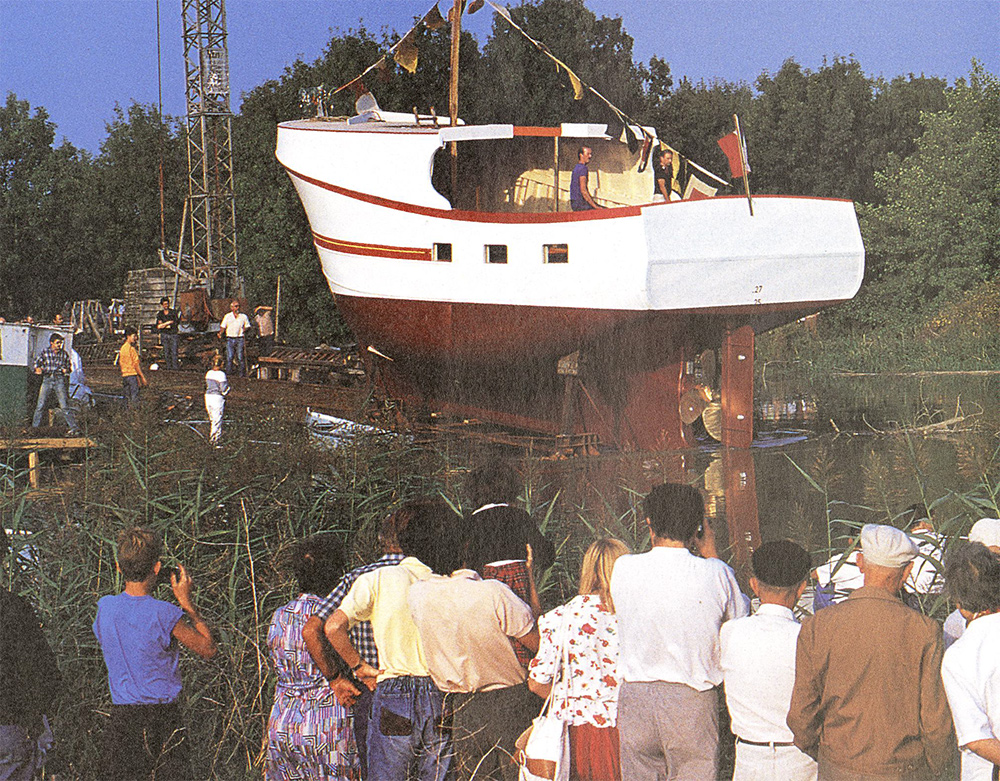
(406,732)
(128,362)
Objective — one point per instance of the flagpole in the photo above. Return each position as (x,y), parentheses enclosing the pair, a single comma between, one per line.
(456,32)
(743,162)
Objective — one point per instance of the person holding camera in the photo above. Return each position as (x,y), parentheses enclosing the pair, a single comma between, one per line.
(140,638)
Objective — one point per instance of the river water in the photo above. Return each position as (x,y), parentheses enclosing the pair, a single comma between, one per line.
(851,448)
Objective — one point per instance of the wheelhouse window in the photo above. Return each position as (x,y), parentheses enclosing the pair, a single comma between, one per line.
(496,253)
(442,252)
(556,253)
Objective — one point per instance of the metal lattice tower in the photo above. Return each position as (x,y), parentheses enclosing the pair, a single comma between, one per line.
(211,205)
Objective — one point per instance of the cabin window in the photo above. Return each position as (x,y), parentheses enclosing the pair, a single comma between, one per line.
(556,253)
(442,252)
(496,253)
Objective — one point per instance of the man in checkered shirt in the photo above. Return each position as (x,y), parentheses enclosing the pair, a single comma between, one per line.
(54,366)
(361,634)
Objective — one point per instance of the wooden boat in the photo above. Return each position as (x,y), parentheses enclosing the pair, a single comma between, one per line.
(501,303)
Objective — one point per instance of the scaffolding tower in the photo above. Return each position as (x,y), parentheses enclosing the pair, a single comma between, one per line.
(211,207)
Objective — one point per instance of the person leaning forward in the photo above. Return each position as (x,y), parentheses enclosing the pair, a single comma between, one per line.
(868,700)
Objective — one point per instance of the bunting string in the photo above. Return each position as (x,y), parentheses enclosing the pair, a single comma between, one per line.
(404,51)
(580,87)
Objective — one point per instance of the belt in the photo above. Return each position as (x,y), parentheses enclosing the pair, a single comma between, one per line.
(769,743)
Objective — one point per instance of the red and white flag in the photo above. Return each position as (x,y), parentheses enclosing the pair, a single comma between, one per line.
(733,145)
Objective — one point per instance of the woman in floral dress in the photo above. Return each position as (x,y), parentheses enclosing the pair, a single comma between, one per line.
(584,634)
(309,734)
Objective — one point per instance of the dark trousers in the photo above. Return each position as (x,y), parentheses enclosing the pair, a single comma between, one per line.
(147,742)
(484,728)
(169,342)
(130,385)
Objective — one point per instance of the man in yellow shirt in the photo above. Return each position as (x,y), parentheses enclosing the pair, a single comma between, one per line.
(128,362)
(406,734)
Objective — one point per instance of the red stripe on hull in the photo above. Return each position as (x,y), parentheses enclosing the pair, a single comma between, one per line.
(372,250)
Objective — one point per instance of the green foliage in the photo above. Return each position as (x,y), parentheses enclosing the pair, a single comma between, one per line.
(126,194)
(521,85)
(44,196)
(938,232)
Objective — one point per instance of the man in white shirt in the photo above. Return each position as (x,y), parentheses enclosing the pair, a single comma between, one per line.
(758,666)
(671,604)
(234,327)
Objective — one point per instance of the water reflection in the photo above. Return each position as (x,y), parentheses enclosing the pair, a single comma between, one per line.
(823,453)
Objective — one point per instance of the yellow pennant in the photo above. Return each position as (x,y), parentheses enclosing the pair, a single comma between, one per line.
(406,54)
(433,19)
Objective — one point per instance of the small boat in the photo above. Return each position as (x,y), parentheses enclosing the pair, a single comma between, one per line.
(500,303)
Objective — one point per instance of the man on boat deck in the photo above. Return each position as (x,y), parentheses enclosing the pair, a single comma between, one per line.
(868,700)
(580,198)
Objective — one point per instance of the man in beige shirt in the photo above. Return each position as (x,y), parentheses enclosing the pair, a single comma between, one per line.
(466,625)
(868,701)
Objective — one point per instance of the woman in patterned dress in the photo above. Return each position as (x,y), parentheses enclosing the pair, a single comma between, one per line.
(584,633)
(309,734)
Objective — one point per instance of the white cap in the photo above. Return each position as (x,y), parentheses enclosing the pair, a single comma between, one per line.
(886,546)
(986,531)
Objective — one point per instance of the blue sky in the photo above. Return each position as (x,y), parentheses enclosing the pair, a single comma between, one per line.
(78,58)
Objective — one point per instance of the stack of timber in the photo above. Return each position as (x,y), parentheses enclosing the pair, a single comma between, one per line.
(143,290)
(289,363)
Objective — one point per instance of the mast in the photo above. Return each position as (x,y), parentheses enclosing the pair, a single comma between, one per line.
(210,146)
(456,32)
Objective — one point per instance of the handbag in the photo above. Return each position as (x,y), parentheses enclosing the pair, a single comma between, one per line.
(543,748)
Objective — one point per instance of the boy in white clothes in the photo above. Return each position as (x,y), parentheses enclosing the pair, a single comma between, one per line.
(758,668)
(216,390)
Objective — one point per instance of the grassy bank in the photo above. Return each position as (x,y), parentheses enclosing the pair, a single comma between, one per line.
(963,336)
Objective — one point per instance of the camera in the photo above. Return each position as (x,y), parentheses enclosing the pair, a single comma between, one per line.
(163,576)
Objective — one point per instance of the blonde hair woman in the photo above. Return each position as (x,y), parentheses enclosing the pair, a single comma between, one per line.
(578,657)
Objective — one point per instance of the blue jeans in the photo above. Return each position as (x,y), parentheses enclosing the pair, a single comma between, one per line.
(406,732)
(169,342)
(53,383)
(234,347)
(131,386)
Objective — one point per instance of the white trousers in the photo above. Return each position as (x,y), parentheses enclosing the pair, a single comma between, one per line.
(781,763)
(214,406)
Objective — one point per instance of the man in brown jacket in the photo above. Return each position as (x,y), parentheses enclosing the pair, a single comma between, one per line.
(868,701)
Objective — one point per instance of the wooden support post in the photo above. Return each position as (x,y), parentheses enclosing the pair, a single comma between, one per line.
(737,387)
(34,470)
(555,174)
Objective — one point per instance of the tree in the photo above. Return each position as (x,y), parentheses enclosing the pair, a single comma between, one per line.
(520,85)
(126,206)
(43,222)
(938,231)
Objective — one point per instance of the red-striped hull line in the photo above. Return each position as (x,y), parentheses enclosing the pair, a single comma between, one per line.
(372,250)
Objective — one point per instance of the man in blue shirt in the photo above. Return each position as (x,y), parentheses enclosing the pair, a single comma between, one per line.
(139,638)
(580,198)
(54,366)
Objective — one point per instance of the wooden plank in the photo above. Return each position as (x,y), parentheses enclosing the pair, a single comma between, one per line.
(47,443)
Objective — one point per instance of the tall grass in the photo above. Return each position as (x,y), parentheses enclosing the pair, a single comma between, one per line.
(227,515)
